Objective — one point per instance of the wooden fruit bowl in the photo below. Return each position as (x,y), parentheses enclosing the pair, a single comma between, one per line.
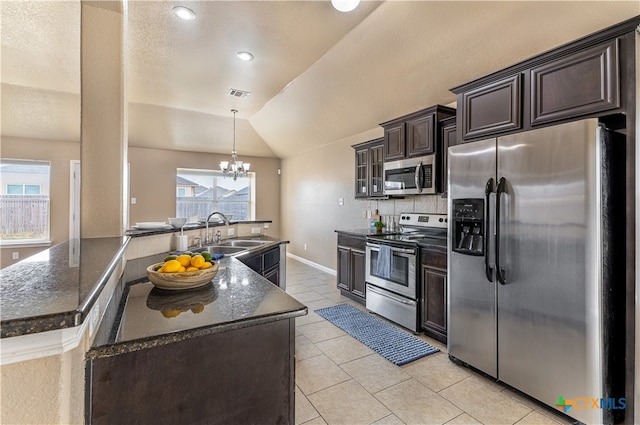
(184,280)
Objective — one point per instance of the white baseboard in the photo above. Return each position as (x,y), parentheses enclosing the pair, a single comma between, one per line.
(312,264)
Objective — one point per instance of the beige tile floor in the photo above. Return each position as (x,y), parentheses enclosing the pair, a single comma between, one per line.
(341,381)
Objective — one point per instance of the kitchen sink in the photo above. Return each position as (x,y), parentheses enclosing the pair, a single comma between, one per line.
(221,249)
(242,243)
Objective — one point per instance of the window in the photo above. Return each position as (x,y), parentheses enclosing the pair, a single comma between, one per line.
(24,201)
(201,192)
(23,189)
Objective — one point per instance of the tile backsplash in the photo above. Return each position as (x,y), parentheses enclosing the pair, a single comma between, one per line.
(434,204)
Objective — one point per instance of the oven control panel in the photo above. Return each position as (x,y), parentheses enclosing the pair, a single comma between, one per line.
(424,220)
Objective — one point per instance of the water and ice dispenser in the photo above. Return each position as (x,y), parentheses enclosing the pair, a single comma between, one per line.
(468,226)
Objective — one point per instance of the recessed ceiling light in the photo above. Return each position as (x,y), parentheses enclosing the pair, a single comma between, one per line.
(245,56)
(184,13)
(345,5)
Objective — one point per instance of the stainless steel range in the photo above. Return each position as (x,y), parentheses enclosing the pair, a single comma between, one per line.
(392,264)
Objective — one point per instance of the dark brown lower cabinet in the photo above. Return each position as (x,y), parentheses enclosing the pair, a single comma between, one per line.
(267,264)
(351,267)
(242,376)
(433,315)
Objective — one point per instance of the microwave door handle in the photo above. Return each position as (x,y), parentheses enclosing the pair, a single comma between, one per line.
(488,270)
(499,191)
(418,177)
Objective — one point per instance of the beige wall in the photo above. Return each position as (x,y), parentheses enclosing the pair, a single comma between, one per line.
(312,184)
(60,154)
(151,170)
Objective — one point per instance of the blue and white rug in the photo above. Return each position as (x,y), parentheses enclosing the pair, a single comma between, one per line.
(395,345)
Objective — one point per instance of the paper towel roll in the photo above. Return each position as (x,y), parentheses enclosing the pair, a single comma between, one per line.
(182,242)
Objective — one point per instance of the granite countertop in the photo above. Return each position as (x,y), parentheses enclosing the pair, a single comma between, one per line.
(56,288)
(236,298)
(433,244)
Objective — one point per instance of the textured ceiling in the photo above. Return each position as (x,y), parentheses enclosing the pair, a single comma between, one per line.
(318,75)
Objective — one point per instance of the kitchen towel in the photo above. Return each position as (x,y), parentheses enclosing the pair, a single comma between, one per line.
(384,262)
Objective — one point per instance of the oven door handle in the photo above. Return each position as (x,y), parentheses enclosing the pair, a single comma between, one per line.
(374,247)
(388,295)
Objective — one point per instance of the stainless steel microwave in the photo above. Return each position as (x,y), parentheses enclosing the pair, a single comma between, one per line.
(411,176)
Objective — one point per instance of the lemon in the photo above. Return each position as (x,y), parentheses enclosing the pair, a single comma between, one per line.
(170,266)
(184,260)
(192,269)
(197,261)
(198,309)
(182,269)
(206,265)
(170,313)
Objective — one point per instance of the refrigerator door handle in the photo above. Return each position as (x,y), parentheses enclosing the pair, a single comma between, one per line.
(499,191)
(488,270)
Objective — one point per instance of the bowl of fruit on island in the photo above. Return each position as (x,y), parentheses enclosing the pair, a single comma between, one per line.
(184,271)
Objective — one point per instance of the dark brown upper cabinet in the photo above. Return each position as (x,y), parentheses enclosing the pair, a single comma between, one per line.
(589,77)
(415,134)
(493,108)
(369,169)
(579,84)
(448,129)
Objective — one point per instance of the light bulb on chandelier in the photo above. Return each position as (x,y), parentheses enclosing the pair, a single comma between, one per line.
(235,167)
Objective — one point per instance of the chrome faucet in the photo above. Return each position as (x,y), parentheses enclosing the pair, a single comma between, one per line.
(206,235)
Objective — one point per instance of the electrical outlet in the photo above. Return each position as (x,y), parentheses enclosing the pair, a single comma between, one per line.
(231,232)
(265,225)
(133,201)
(15,255)
(340,201)
(364,214)
(305,247)
(256,230)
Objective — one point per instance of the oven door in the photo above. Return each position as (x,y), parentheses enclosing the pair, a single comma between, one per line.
(400,276)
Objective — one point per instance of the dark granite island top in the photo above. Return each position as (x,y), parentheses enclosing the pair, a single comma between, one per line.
(237,297)
(57,288)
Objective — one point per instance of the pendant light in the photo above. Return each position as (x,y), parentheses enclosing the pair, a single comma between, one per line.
(235,167)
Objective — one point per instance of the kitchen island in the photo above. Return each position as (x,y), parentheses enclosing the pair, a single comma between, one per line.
(222,353)
(70,311)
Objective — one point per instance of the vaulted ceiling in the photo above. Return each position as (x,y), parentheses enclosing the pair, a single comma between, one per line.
(319,75)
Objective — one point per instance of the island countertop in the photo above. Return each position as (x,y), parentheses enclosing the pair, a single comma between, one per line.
(57,288)
(236,298)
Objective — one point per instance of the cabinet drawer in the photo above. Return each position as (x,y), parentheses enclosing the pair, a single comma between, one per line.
(436,260)
(579,84)
(352,242)
(493,108)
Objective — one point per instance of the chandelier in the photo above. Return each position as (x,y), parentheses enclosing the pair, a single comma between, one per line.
(235,167)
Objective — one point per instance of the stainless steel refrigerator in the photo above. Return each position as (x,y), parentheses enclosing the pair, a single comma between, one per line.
(533,296)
